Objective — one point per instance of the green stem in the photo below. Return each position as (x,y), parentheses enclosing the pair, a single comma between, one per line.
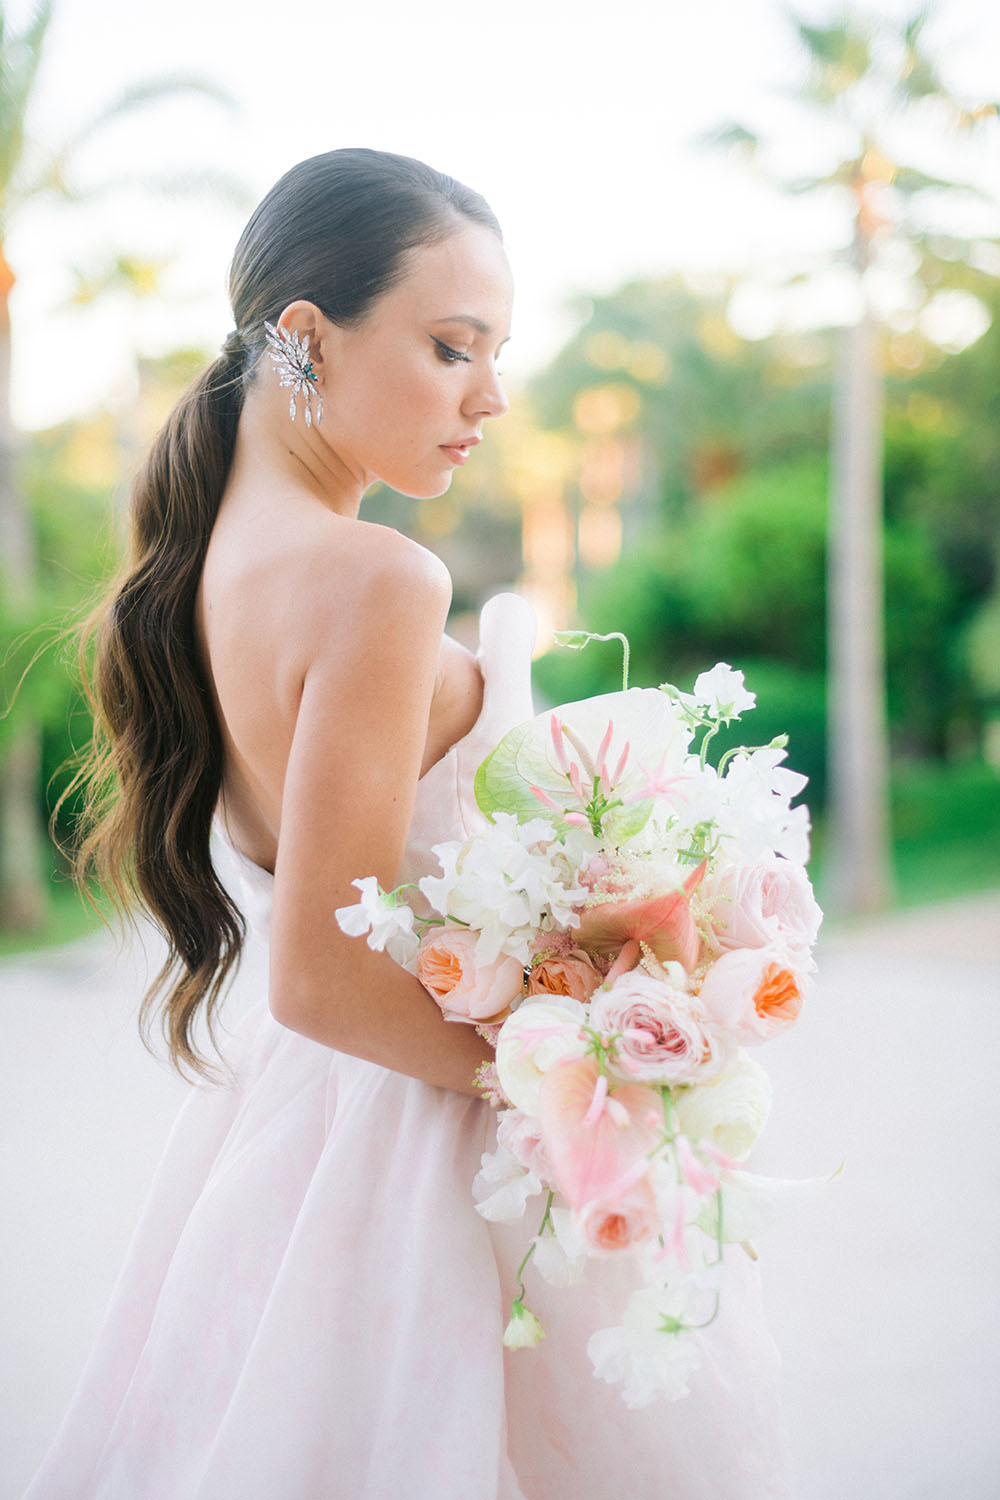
(531,1248)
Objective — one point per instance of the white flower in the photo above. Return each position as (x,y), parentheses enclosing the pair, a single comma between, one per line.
(509,883)
(524,1330)
(751,1203)
(502,1186)
(560,1254)
(650,1352)
(730,1111)
(722,691)
(754,811)
(536,1037)
(391,924)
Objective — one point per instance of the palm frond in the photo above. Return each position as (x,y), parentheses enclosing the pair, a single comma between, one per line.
(199,182)
(911,180)
(20,58)
(841,53)
(153,91)
(731,136)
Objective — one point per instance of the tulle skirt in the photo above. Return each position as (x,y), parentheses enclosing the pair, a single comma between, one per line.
(312,1309)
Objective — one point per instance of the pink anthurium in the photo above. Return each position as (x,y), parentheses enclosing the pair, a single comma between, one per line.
(663,923)
(594,1134)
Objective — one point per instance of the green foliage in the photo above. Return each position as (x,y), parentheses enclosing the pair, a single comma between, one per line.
(742,579)
(946,822)
(39,676)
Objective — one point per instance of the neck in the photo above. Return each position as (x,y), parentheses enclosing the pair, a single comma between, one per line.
(273,451)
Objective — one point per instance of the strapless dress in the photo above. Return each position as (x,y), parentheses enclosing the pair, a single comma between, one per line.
(312,1308)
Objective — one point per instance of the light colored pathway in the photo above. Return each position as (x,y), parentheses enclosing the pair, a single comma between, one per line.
(883,1294)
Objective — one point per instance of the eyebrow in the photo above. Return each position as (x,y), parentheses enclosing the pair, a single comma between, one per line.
(470,322)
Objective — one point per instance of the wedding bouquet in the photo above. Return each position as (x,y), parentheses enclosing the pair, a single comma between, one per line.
(631,920)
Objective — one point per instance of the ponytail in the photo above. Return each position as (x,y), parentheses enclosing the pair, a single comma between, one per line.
(155,769)
(334,231)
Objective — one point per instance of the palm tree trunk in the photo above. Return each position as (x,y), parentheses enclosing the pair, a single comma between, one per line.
(859,863)
(23,888)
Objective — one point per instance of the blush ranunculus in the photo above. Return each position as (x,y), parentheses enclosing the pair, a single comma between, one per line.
(573,975)
(663,1034)
(729,1110)
(753,993)
(521,1135)
(540,1034)
(465,990)
(769,902)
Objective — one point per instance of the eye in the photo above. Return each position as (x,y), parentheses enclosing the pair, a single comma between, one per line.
(449,355)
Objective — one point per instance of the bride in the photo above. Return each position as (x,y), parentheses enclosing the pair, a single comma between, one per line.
(311,1308)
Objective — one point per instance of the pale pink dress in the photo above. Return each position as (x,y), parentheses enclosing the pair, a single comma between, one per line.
(312,1309)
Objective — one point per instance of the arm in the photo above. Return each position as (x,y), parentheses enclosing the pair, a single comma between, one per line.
(346,808)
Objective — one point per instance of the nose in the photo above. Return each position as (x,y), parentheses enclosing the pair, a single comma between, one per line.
(488,398)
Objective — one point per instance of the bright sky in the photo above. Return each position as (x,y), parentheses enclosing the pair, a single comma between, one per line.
(575,118)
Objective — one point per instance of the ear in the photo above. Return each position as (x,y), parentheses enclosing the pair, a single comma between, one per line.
(305,319)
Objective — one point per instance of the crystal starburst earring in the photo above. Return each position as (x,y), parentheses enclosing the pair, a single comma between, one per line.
(291,360)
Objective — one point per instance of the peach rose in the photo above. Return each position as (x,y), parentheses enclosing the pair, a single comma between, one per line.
(753,993)
(622,1223)
(465,991)
(663,1036)
(770,902)
(573,975)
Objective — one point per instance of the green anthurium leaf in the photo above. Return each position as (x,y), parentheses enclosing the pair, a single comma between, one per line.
(646,737)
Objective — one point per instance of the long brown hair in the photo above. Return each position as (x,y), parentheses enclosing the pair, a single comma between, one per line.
(334,231)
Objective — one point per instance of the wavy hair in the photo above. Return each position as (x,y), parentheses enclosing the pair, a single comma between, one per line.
(334,231)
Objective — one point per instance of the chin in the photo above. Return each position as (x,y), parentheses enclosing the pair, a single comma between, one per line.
(428,490)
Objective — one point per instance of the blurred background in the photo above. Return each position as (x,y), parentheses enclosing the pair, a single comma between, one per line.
(755,417)
(753,373)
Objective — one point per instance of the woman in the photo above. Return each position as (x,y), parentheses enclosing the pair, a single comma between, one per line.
(312,1308)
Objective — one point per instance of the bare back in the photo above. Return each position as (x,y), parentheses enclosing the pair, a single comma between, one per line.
(275,577)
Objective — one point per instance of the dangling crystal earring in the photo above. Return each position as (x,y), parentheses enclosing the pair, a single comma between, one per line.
(294,367)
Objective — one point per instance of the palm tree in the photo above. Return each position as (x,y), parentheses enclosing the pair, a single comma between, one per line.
(866,81)
(23,178)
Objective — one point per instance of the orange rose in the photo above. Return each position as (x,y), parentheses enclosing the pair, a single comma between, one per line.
(573,975)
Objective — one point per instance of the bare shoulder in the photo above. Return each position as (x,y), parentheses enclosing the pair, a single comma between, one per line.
(366,573)
(357,588)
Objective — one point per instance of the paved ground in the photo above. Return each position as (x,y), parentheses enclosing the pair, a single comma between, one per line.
(882,1294)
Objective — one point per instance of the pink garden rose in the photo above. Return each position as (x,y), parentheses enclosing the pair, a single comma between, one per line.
(753,993)
(770,902)
(465,991)
(572,974)
(664,1035)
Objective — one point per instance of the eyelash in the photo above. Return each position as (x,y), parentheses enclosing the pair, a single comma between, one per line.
(449,355)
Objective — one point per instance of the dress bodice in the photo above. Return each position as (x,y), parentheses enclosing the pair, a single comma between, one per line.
(445,806)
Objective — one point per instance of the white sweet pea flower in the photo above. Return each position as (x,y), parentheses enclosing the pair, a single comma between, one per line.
(502,1186)
(524,1330)
(650,1352)
(389,923)
(508,883)
(754,810)
(723,693)
(560,1254)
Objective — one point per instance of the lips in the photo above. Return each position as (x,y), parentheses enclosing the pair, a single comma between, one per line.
(459,452)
